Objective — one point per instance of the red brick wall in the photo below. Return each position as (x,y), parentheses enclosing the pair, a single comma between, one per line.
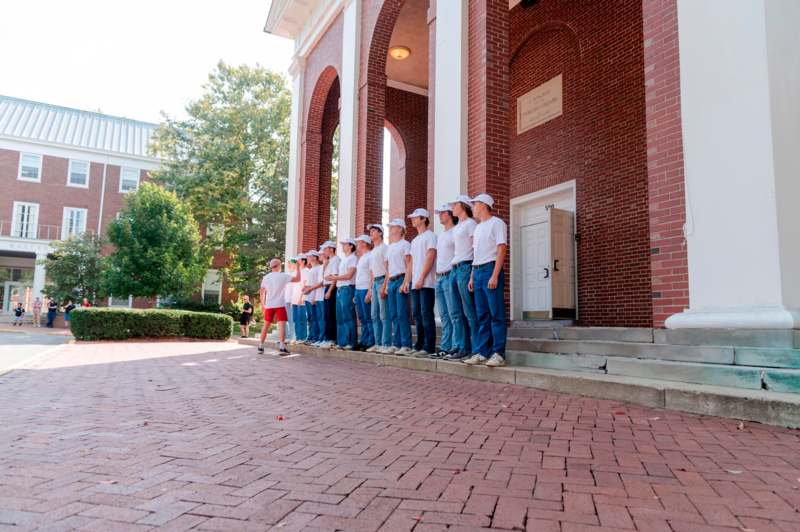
(668,262)
(600,141)
(408,113)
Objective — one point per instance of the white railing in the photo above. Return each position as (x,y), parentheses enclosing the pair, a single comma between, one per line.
(37,232)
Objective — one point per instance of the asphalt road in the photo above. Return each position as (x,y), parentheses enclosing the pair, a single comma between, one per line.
(17,347)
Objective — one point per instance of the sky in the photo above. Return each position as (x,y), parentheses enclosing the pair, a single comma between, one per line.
(131,59)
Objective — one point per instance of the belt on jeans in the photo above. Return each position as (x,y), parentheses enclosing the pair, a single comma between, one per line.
(395,277)
(462,263)
(484,266)
(378,278)
(443,274)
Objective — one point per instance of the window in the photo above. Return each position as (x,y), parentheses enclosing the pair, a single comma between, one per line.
(26,217)
(120,301)
(74,222)
(212,288)
(128,179)
(78,175)
(30,167)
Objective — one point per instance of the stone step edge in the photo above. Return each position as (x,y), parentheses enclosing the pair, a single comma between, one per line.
(771,408)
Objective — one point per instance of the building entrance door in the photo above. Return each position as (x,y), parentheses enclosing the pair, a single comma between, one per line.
(535,271)
(13,293)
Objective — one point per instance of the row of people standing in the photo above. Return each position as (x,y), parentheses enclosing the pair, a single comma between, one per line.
(380,285)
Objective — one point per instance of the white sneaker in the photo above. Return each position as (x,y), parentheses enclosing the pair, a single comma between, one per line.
(475,360)
(496,361)
(419,353)
(388,350)
(403,351)
(372,349)
(348,347)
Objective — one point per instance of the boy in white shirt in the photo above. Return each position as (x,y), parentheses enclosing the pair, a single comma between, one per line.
(462,271)
(291,267)
(453,339)
(314,306)
(376,297)
(488,279)
(273,287)
(423,290)
(396,286)
(330,267)
(345,288)
(363,288)
(299,315)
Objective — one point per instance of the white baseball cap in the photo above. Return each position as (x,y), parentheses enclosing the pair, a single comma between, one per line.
(397,222)
(365,239)
(463,198)
(313,253)
(327,244)
(444,207)
(301,256)
(484,198)
(349,241)
(419,212)
(375,226)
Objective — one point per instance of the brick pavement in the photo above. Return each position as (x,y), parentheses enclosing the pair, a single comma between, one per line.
(213,437)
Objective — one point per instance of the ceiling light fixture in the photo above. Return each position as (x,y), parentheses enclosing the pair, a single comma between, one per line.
(399,52)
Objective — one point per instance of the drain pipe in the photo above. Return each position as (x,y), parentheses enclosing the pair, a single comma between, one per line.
(102,199)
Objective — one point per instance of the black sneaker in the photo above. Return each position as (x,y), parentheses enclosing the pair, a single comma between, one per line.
(261,349)
(283,351)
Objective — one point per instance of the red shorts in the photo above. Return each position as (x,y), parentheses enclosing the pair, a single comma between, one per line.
(274,315)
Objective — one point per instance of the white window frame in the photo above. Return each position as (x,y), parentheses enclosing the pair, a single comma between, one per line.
(203,286)
(111,301)
(22,154)
(65,217)
(14,219)
(130,169)
(69,173)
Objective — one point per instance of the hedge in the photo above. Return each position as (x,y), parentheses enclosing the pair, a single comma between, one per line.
(122,323)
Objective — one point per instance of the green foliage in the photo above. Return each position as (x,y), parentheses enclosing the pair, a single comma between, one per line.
(229,161)
(121,324)
(76,269)
(157,246)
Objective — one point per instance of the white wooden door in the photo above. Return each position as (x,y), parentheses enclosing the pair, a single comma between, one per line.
(535,247)
(562,246)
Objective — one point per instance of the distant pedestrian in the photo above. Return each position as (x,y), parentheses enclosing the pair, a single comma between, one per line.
(272,291)
(37,312)
(19,313)
(69,307)
(52,311)
(245,316)
(85,303)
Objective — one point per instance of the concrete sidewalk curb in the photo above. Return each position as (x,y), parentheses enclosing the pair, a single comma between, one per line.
(772,408)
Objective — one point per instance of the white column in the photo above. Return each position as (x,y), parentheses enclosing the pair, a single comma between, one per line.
(740,77)
(297,71)
(450,110)
(348,121)
(39,274)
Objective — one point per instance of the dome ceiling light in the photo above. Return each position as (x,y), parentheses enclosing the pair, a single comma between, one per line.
(399,52)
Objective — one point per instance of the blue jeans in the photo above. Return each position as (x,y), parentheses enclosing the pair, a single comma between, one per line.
(423,300)
(312,323)
(450,305)
(345,317)
(381,325)
(316,320)
(446,341)
(300,322)
(331,326)
(491,310)
(290,323)
(397,314)
(466,300)
(365,318)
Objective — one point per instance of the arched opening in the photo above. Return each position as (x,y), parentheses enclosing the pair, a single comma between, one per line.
(394,101)
(318,189)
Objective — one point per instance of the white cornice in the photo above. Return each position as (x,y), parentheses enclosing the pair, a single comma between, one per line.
(406,87)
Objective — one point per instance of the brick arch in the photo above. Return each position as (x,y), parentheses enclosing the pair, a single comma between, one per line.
(315,187)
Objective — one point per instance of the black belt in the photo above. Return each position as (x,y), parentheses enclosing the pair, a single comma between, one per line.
(443,274)
(484,266)
(463,262)
(394,277)
(378,278)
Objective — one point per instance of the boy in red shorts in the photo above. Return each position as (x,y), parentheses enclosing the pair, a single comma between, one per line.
(273,287)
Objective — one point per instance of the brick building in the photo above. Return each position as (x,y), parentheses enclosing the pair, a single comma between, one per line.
(642,151)
(64,172)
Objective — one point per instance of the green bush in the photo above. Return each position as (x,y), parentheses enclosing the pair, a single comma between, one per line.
(120,324)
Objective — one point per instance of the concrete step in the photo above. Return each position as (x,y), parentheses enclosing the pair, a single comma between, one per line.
(767,357)
(729,337)
(569,362)
(715,374)
(764,406)
(706,354)
(617,334)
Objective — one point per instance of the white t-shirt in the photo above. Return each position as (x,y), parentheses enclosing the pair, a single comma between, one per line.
(349,261)
(445,249)
(363,271)
(303,283)
(462,240)
(419,249)
(377,260)
(297,293)
(289,292)
(275,284)
(314,278)
(396,257)
(488,235)
(332,268)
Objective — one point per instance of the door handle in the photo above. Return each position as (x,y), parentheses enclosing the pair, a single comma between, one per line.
(546,273)
(555,265)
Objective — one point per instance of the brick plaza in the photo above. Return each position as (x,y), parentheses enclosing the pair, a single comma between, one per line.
(211,436)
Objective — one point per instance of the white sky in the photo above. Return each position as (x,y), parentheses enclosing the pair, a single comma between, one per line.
(131,59)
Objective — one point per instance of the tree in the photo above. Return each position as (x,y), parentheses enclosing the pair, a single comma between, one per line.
(156,246)
(76,269)
(229,161)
